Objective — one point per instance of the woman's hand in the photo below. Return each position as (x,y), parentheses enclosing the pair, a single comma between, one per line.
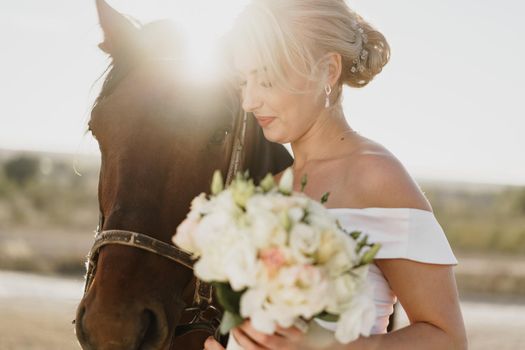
(250,339)
(283,339)
(212,344)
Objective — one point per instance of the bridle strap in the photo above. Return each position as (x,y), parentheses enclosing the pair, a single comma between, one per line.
(237,151)
(139,240)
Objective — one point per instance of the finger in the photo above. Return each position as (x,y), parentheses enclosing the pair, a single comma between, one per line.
(292,333)
(212,344)
(270,341)
(245,341)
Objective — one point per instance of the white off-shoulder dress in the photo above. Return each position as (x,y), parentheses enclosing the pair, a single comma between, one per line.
(406,233)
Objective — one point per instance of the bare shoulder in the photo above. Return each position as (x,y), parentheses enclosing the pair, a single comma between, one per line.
(376,178)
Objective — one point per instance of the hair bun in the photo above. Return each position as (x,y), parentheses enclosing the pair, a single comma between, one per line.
(360,69)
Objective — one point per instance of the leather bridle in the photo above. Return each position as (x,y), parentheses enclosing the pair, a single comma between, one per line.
(206,317)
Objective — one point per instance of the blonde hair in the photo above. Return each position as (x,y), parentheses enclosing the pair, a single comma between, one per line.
(297,34)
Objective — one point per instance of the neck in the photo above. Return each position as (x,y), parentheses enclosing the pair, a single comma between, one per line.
(321,141)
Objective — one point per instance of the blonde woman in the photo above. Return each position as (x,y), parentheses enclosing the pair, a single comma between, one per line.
(293,58)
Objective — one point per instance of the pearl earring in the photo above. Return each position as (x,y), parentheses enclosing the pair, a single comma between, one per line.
(328,91)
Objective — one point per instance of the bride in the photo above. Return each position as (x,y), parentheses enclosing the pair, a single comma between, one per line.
(293,58)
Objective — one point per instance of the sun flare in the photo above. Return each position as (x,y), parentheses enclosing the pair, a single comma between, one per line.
(202,23)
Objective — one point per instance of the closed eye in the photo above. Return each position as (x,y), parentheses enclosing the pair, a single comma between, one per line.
(220,135)
(264,84)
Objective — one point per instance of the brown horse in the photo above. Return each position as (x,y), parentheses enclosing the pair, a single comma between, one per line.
(161,137)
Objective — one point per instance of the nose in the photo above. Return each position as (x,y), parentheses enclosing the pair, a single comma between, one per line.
(141,329)
(251,99)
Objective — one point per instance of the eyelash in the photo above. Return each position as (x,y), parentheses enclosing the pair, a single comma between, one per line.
(263,84)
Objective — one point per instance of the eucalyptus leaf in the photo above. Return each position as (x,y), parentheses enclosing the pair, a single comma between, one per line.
(228,298)
(369,256)
(304,181)
(324,198)
(229,321)
(326,316)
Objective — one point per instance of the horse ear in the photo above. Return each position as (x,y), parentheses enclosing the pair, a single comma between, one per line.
(118,30)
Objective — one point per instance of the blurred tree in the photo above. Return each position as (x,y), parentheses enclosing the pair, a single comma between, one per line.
(519,201)
(21,169)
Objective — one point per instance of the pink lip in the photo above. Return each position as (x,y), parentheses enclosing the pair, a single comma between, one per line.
(264,121)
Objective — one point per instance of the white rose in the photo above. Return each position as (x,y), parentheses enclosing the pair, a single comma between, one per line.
(184,235)
(213,227)
(297,291)
(343,290)
(209,268)
(262,321)
(224,202)
(344,257)
(295,214)
(252,300)
(215,247)
(198,204)
(264,224)
(321,218)
(304,242)
(241,264)
(358,319)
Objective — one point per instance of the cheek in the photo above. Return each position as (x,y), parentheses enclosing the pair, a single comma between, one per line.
(303,111)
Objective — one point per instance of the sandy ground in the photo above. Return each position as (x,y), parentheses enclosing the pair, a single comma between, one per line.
(36,313)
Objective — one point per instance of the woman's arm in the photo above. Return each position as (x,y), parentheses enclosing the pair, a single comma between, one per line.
(427,292)
(429,296)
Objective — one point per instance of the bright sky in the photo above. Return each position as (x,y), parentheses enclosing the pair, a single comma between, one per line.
(449,104)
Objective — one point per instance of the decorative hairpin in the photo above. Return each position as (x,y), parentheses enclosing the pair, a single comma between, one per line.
(358,65)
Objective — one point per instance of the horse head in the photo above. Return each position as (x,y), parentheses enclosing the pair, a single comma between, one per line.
(161,136)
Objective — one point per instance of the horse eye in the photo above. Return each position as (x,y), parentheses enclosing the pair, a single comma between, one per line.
(220,135)
(90,130)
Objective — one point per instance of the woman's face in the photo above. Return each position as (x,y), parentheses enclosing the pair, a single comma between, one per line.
(283,115)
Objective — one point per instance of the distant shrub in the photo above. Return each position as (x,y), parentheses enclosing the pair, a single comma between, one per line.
(482,220)
(21,169)
(519,201)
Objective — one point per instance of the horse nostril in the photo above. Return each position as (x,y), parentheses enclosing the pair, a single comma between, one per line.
(149,327)
(79,331)
(154,328)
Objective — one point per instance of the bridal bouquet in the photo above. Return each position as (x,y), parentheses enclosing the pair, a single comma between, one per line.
(278,257)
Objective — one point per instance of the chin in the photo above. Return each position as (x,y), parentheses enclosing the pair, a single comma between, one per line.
(274,136)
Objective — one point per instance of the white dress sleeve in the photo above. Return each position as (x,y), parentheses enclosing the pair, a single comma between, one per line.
(407,233)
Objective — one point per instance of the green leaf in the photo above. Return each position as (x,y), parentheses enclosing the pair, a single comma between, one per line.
(324,198)
(227,297)
(304,181)
(326,316)
(229,321)
(355,234)
(368,257)
(362,243)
